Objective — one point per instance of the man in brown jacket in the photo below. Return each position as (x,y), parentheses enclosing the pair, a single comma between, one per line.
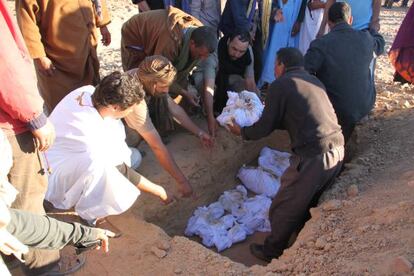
(173,34)
(61,37)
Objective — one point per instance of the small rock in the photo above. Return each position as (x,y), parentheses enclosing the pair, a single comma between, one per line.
(315,213)
(178,271)
(310,244)
(328,246)
(411,183)
(401,265)
(158,252)
(363,229)
(278,266)
(352,190)
(320,243)
(332,205)
(347,203)
(163,245)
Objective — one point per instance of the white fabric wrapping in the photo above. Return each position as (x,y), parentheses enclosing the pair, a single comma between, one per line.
(245,107)
(259,181)
(274,161)
(7,192)
(248,215)
(84,158)
(233,199)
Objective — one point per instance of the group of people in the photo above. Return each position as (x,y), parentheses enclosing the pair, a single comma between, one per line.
(75,145)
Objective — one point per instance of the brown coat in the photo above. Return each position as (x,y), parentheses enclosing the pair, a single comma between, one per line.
(157,32)
(66,32)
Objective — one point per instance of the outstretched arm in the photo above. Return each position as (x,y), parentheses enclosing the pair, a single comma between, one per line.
(44,232)
(375,21)
(167,161)
(182,118)
(322,28)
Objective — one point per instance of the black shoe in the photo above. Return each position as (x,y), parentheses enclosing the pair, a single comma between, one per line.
(67,265)
(257,250)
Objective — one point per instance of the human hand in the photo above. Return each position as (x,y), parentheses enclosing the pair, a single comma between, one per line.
(191,97)
(375,25)
(45,66)
(185,189)
(295,29)
(10,245)
(316,4)
(44,136)
(103,236)
(106,36)
(206,139)
(212,125)
(234,127)
(165,197)
(278,17)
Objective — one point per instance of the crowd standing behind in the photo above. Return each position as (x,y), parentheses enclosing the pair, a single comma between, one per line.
(180,57)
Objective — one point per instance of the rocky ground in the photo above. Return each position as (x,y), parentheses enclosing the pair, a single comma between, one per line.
(363,226)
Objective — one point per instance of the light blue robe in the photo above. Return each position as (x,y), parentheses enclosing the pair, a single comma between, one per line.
(280,38)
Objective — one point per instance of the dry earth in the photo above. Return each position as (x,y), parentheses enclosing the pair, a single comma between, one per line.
(363,226)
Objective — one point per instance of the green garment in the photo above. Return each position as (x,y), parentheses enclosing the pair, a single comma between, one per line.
(183,64)
(43,232)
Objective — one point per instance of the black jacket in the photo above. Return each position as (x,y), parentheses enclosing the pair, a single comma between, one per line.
(297,102)
(341,60)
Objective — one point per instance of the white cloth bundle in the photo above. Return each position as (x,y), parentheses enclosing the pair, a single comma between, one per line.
(246,215)
(256,214)
(245,107)
(274,161)
(259,181)
(233,199)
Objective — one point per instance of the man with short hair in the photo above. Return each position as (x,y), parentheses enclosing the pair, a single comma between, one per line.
(297,102)
(175,35)
(90,159)
(156,73)
(231,69)
(341,60)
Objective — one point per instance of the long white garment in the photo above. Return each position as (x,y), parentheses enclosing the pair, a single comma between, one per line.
(84,157)
(309,28)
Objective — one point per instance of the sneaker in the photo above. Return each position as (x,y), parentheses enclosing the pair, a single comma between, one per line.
(257,250)
(68,264)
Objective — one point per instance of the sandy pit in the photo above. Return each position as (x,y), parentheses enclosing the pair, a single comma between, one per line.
(364,225)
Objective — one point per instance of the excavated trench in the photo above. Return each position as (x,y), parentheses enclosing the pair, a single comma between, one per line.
(210,173)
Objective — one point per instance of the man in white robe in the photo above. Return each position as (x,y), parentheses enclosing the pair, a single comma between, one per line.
(90,151)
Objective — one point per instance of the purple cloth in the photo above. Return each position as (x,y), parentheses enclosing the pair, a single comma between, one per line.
(405,35)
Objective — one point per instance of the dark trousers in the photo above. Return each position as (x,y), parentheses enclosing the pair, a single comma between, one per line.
(27,177)
(257,49)
(304,180)
(347,129)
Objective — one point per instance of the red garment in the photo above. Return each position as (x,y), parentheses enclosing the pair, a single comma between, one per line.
(20,101)
(402,50)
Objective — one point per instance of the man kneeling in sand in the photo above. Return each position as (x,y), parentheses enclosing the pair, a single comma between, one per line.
(90,159)
(156,74)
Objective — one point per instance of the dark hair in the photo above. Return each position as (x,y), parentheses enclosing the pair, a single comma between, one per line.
(243,36)
(290,57)
(118,89)
(339,12)
(205,37)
